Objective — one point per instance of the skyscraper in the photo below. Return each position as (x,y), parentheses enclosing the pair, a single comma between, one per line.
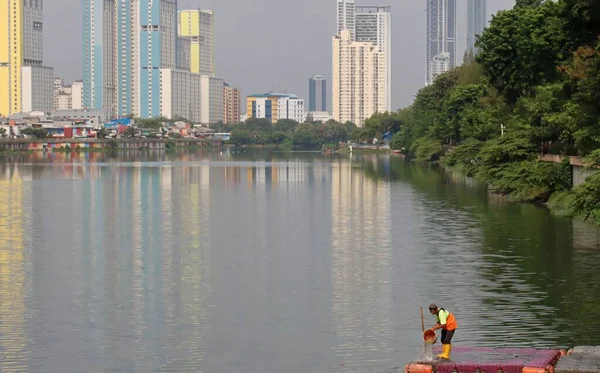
(99,54)
(11,55)
(198,26)
(476,22)
(317,93)
(374,25)
(28,84)
(359,87)
(157,49)
(346,19)
(441,33)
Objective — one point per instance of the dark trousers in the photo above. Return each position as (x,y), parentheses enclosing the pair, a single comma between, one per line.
(447,336)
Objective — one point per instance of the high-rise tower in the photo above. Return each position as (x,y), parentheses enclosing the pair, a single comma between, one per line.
(11,55)
(476,22)
(198,26)
(441,34)
(374,25)
(317,93)
(346,19)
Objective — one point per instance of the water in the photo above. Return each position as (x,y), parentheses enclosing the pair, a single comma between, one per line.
(273,262)
(426,354)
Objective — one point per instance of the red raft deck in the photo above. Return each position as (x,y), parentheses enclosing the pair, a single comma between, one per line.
(491,360)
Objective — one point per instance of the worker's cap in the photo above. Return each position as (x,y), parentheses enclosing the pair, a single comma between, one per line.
(432,306)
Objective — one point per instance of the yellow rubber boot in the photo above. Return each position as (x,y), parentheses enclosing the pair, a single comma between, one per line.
(445,352)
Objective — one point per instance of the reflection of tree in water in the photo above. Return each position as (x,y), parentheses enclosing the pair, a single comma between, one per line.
(540,271)
(361,260)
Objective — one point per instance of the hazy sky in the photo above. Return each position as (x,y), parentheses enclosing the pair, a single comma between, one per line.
(269,45)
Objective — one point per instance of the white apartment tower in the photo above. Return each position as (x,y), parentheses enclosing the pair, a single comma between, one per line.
(441,33)
(346,19)
(374,25)
(359,79)
(476,22)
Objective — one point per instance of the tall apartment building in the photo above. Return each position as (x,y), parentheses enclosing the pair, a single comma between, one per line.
(439,65)
(441,33)
(180,94)
(11,55)
(157,35)
(231,104)
(346,19)
(275,106)
(476,22)
(359,81)
(99,55)
(198,26)
(27,83)
(317,93)
(374,25)
(368,42)
(211,107)
(77,95)
(138,60)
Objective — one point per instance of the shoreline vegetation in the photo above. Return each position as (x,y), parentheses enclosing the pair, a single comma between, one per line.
(493,116)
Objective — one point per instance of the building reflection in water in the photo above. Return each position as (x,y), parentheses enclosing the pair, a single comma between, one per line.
(121,254)
(361,273)
(13,280)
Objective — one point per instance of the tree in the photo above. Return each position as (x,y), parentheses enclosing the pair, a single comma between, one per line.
(304,135)
(277,137)
(527,3)
(102,133)
(522,47)
(2,132)
(129,132)
(447,126)
(38,133)
(583,20)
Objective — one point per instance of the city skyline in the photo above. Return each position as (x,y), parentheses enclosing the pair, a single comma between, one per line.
(233,54)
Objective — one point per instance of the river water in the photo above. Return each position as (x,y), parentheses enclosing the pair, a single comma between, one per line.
(264,262)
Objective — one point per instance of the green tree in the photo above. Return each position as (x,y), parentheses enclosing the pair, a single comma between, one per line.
(522,47)
(528,3)
(304,135)
(583,20)
(129,132)
(39,133)
(102,133)
(2,133)
(277,137)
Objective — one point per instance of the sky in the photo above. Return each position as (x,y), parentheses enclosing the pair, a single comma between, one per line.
(272,45)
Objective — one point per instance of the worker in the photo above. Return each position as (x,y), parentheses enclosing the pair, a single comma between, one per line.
(446,322)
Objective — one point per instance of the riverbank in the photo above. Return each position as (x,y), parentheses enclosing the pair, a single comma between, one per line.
(93,144)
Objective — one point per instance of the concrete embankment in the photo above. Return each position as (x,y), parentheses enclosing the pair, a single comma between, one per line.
(107,144)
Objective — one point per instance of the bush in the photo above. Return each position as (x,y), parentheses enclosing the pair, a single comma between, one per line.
(586,199)
(426,149)
(527,181)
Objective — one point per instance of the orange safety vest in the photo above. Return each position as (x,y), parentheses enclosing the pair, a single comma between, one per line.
(450,320)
